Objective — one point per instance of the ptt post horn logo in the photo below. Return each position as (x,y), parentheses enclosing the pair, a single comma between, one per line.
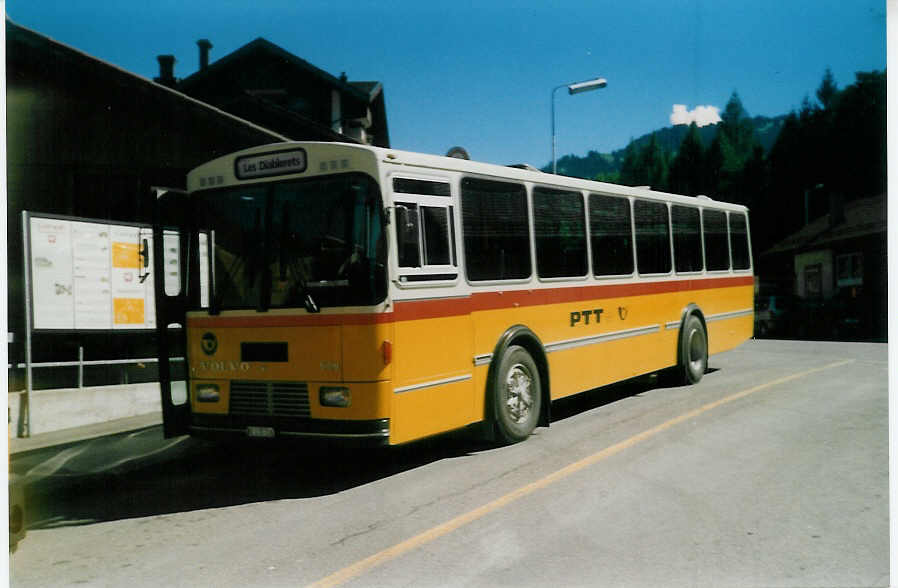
(209,343)
(622,312)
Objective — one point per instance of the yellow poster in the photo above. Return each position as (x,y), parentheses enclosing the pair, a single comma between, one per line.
(125,255)
(128,311)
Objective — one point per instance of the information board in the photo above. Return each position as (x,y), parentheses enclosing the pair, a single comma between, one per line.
(89,275)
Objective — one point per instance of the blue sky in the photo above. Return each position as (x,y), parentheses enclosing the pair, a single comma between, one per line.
(480,74)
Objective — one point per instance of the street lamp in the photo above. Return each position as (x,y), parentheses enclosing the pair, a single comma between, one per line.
(575,88)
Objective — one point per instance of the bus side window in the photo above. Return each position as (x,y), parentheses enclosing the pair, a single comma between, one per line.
(611,233)
(717,251)
(496,230)
(560,230)
(687,238)
(424,234)
(739,241)
(407,234)
(652,237)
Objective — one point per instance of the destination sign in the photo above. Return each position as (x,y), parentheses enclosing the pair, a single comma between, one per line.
(270,164)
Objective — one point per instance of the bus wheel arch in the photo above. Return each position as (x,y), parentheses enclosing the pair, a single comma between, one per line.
(515,338)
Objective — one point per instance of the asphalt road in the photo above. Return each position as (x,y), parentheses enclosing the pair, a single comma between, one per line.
(773,471)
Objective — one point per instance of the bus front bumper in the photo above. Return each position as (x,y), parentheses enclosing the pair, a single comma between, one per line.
(371,432)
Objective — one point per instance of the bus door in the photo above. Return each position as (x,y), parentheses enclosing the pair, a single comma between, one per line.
(172,262)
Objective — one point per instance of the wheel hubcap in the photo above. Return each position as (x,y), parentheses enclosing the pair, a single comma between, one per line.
(696,351)
(518,393)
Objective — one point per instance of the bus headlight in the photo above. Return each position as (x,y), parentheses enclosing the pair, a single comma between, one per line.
(207,393)
(334,396)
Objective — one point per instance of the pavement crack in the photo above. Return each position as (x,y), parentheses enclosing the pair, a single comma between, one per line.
(372,527)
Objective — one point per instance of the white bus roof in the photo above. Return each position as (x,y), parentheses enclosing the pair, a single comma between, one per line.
(428,162)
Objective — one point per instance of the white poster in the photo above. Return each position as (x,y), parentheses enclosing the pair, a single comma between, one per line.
(90,276)
(51,274)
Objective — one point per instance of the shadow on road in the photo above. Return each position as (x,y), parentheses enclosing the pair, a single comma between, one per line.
(141,474)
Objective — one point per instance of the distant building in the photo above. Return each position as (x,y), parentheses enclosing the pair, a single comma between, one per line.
(264,83)
(837,269)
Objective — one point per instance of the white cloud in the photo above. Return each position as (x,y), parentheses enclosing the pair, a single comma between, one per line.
(700,115)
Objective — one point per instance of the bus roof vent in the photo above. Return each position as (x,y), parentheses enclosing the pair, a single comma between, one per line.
(526,166)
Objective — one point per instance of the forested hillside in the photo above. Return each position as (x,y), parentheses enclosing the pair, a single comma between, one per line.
(607,164)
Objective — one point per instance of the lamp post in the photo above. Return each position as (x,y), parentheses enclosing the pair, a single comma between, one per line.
(575,88)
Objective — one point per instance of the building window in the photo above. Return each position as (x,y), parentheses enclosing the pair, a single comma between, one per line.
(813,281)
(560,230)
(611,234)
(850,270)
(496,230)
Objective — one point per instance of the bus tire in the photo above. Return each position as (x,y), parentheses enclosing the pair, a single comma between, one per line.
(516,396)
(693,351)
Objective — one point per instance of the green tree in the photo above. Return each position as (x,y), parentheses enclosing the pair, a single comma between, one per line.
(652,163)
(730,151)
(687,170)
(828,90)
(858,136)
(629,172)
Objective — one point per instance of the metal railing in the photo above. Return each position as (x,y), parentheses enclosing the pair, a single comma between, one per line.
(81,363)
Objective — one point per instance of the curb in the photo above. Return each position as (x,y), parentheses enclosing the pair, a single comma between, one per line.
(23,445)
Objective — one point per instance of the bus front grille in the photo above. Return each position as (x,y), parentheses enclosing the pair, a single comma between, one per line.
(287,399)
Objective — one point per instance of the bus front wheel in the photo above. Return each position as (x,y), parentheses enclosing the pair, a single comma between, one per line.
(516,395)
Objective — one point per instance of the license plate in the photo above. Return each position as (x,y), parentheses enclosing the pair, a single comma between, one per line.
(266,432)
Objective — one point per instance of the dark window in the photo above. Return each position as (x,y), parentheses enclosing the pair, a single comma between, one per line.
(436,235)
(717,251)
(652,237)
(407,231)
(610,231)
(560,230)
(496,232)
(425,187)
(739,241)
(687,238)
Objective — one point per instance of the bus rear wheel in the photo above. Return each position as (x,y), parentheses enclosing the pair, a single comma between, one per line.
(693,351)
(516,395)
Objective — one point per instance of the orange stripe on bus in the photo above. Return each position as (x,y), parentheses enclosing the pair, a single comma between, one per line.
(481,301)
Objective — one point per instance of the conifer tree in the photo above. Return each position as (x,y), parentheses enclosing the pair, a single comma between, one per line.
(687,170)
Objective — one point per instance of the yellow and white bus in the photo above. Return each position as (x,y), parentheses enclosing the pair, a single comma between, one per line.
(352,292)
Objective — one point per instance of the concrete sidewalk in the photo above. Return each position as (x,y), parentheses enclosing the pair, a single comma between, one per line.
(20,445)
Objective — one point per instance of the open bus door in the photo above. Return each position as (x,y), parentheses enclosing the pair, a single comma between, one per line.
(172,264)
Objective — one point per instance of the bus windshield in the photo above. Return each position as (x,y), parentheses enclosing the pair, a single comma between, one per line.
(306,243)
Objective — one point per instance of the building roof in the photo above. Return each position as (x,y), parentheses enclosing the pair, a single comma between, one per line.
(360,96)
(64,54)
(863,217)
(262,45)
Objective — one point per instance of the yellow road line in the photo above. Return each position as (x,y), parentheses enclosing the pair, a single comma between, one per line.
(382,557)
